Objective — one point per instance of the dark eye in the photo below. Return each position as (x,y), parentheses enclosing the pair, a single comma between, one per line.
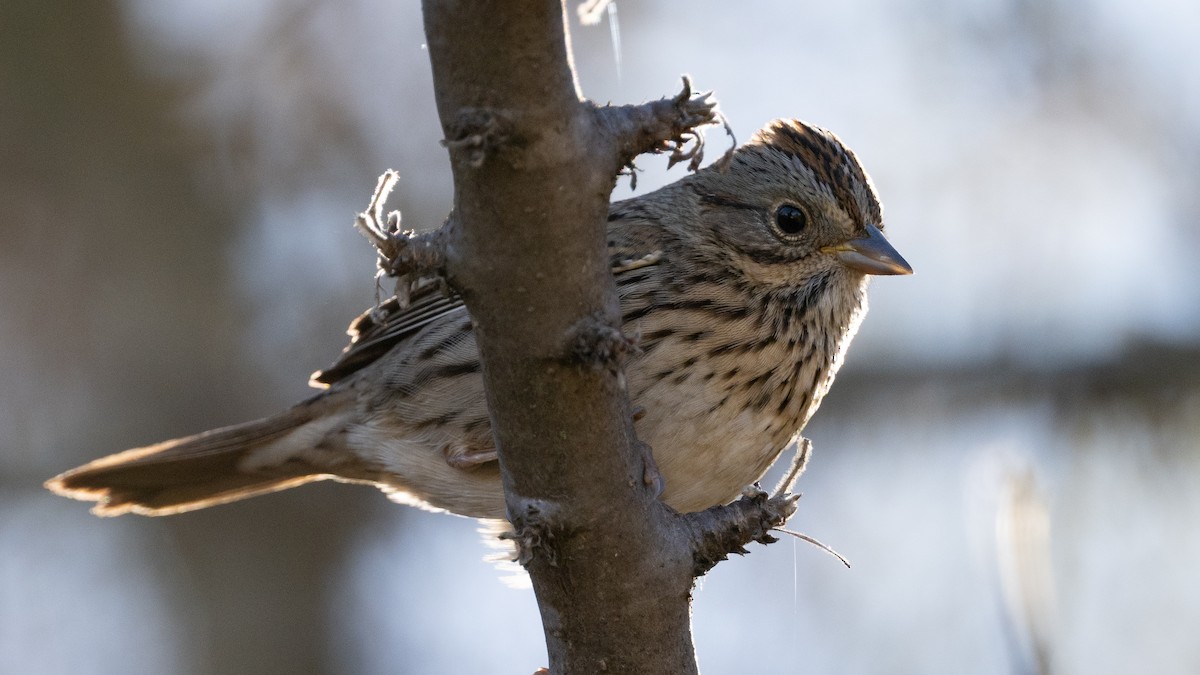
(790,221)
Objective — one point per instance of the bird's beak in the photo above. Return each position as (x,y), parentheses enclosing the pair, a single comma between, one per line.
(871,254)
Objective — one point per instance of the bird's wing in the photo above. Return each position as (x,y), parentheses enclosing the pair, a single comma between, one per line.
(377,330)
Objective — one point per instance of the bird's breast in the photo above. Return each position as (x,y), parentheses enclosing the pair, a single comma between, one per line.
(720,408)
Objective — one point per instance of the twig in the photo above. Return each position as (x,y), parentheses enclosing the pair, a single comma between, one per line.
(668,125)
(818,544)
(726,529)
(403,254)
(589,11)
(799,464)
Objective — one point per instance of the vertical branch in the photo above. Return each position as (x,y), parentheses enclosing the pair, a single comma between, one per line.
(533,170)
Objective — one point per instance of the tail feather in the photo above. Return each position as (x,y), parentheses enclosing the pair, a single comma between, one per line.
(209,468)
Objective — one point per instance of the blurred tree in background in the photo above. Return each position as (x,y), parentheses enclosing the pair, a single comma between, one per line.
(120,326)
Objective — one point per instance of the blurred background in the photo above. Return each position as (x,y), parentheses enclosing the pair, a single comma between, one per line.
(1009,460)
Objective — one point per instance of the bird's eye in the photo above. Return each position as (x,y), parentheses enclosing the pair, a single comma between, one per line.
(790,221)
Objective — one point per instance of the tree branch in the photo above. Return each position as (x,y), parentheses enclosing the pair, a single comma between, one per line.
(532,174)
(534,166)
(403,254)
(722,530)
(666,125)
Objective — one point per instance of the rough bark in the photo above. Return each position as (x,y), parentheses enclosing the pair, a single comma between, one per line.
(534,165)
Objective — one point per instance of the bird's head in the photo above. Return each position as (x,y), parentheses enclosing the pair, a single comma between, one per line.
(793,204)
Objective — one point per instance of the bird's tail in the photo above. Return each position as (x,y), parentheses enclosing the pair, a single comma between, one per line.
(213,467)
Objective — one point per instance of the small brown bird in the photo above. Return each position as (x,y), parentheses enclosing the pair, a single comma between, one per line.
(745,283)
